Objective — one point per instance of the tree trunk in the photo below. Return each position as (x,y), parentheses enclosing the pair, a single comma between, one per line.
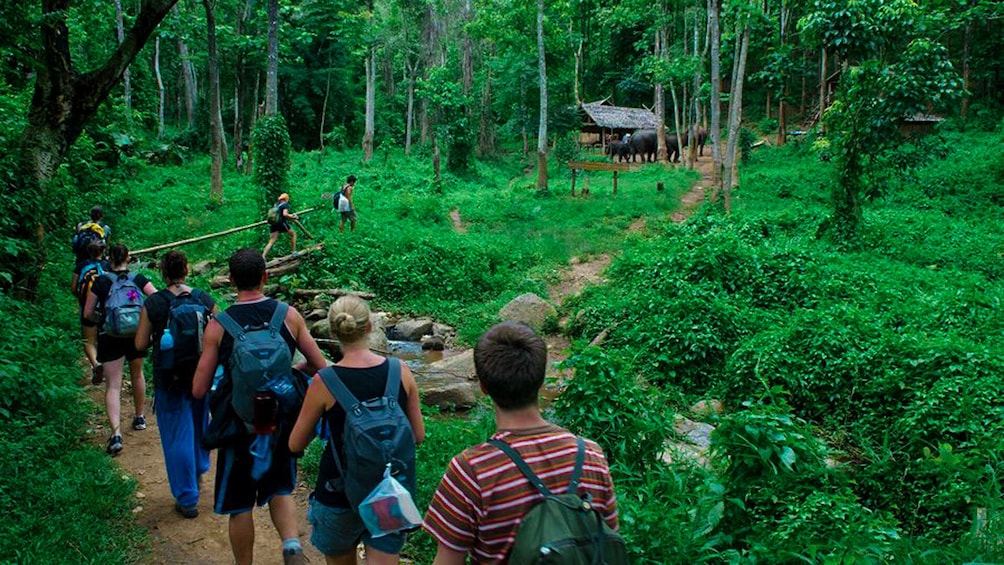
(324,114)
(369,132)
(188,77)
(63,101)
(410,114)
(542,127)
(578,72)
(660,101)
(272,70)
(486,125)
(735,118)
(160,88)
(822,89)
(126,82)
(240,89)
(964,112)
(714,30)
(215,119)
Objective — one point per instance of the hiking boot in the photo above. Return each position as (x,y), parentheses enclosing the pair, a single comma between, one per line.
(97,374)
(139,423)
(114,445)
(188,512)
(293,557)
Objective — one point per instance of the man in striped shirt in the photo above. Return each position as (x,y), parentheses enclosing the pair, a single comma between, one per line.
(482,498)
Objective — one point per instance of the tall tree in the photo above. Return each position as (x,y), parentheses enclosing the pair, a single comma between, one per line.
(160,89)
(715,133)
(216,150)
(126,82)
(272,70)
(369,130)
(730,164)
(64,100)
(542,127)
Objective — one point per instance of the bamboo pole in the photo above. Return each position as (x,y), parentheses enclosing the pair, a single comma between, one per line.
(209,236)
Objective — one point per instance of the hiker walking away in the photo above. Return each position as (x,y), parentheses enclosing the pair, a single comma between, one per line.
(278,222)
(237,489)
(84,275)
(119,294)
(173,320)
(485,496)
(90,231)
(346,206)
(337,526)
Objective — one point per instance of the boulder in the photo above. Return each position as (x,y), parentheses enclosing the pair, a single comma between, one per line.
(442,330)
(378,336)
(433,342)
(694,442)
(450,383)
(706,408)
(203,267)
(529,309)
(321,329)
(412,330)
(316,314)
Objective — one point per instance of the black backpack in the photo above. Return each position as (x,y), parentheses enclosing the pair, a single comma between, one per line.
(563,529)
(186,319)
(88,274)
(86,234)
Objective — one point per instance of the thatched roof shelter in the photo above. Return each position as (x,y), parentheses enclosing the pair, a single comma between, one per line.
(600,117)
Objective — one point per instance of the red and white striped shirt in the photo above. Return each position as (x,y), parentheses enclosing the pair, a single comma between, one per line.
(483,496)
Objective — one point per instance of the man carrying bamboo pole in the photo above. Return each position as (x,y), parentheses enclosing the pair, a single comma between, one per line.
(278,222)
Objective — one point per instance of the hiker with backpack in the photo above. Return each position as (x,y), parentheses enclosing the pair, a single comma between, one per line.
(118,295)
(90,231)
(386,393)
(174,320)
(346,207)
(279,217)
(84,275)
(253,341)
(534,493)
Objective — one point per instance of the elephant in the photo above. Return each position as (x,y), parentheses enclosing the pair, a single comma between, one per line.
(644,142)
(619,150)
(702,137)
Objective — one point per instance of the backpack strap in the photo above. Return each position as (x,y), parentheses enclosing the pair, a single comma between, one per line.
(278,318)
(338,389)
(393,380)
(231,326)
(532,477)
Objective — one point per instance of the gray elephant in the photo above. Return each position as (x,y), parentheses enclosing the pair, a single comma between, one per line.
(619,150)
(644,142)
(702,137)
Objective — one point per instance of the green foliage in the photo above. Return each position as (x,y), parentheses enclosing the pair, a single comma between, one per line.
(272,158)
(621,413)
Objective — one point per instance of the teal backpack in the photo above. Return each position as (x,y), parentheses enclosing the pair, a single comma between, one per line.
(562,529)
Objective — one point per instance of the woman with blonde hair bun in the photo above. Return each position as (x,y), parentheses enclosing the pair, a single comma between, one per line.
(337,527)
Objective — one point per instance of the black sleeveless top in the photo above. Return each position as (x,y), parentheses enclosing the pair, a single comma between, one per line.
(364,384)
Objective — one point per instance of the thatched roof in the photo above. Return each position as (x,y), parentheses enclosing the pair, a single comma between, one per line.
(604,116)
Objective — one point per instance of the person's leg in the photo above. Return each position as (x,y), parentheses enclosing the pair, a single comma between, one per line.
(376,557)
(282,509)
(174,419)
(90,334)
(341,224)
(242,537)
(113,391)
(138,386)
(271,241)
(352,224)
(347,559)
(292,241)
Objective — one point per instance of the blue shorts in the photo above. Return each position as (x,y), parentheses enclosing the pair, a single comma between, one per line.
(337,531)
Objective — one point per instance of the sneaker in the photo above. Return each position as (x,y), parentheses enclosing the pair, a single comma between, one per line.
(139,423)
(97,375)
(293,557)
(114,445)
(188,512)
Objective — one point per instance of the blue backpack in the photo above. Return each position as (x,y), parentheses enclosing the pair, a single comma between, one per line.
(186,320)
(123,305)
(377,432)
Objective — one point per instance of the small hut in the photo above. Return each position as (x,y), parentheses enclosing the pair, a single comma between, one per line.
(600,119)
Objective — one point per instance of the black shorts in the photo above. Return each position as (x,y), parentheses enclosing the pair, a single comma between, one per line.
(281,227)
(237,492)
(112,348)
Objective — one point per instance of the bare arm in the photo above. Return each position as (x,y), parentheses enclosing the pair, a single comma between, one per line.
(73,284)
(90,305)
(414,408)
(143,332)
(446,556)
(318,400)
(149,288)
(206,369)
(305,342)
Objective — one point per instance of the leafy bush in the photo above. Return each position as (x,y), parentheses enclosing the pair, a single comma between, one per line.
(272,158)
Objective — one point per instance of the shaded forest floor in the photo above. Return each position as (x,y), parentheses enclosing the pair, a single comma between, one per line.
(204,540)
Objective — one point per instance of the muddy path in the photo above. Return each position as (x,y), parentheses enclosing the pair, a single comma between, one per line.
(204,540)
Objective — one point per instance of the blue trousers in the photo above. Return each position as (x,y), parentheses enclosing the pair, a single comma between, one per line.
(182,421)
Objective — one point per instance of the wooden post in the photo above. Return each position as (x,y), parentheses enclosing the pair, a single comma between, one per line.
(615,183)
(659,186)
(573,182)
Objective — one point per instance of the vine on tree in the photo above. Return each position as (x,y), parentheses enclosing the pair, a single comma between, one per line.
(272,159)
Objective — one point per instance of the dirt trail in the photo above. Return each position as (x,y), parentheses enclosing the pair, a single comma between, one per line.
(204,540)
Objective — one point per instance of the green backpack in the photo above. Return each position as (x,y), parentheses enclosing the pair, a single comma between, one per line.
(563,528)
(273,214)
